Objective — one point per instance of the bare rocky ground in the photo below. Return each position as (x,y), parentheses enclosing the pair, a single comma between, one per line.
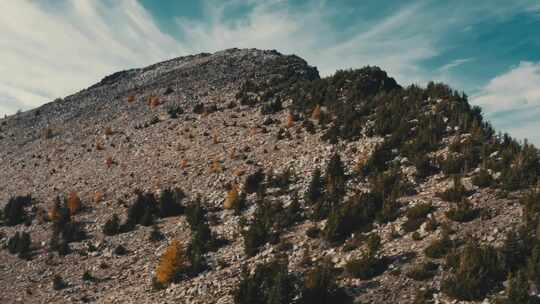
(181,153)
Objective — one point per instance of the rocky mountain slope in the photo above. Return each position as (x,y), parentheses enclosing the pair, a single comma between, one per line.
(418,199)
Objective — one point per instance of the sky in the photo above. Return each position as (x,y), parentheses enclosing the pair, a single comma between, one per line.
(490,49)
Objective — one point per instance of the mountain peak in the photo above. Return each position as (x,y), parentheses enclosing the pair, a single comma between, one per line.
(216,177)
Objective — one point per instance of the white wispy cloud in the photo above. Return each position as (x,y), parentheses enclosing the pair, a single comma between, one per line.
(516,89)
(512,100)
(454,63)
(47,54)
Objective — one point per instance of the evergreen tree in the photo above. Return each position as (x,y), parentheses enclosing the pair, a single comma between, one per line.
(314,191)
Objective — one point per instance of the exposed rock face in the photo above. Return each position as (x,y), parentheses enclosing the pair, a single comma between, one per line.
(117,136)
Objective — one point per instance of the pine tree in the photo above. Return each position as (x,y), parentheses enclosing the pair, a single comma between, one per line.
(335,177)
(314,191)
(517,291)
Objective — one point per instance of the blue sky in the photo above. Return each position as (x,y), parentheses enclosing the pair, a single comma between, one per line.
(489,49)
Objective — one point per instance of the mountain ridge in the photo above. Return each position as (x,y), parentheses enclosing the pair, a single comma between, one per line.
(252,127)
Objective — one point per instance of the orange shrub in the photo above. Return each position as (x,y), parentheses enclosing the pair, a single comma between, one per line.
(53,214)
(170,263)
(98,197)
(131,98)
(99,146)
(216,167)
(108,131)
(153,101)
(73,202)
(290,121)
(316,114)
(239,172)
(183,163)
(231,198)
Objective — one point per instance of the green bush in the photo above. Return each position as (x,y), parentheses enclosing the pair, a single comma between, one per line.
(269,284)
(423,271)
(58,283)
(320,286)
(170,203)
(475,271)
(463,212)
(112,226)
(335,178)
(155,234)
(456,193)
(87,276)
(254,181)
(357,213)
(14,213)
(174,111)
(424,296)
(260,230)
(518,291)
(314,191)
(440,247)
(370,264)
(416,216)
(452,165)
(20,244)
(483,179)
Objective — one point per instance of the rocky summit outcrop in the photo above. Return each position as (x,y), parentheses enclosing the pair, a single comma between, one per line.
(241,133)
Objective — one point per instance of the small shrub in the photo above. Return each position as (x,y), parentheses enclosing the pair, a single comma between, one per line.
(463,212)
(58,283)
(253,181)
(87,276)
(112,226)
(320,286)
(475,271)
(73,203)
(170,203)
(452,165)
(155,234)
(232,198)
(20,244)
(483,179)
(518,291)
(357,213)
(439,248)
(314,191)
(270,283)
(98,197)
(313,232)
(14,213)
(198,108)
(455,193)
(370,264)
(335,178)
(120,250)
(423,271)
(416,216)
(174,111)
(424,296)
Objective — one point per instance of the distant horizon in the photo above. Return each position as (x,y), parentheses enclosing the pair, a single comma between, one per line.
(488,49)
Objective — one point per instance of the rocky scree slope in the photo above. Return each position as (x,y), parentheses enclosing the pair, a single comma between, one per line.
(418,199)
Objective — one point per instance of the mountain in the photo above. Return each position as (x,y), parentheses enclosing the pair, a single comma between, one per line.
(244,177)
